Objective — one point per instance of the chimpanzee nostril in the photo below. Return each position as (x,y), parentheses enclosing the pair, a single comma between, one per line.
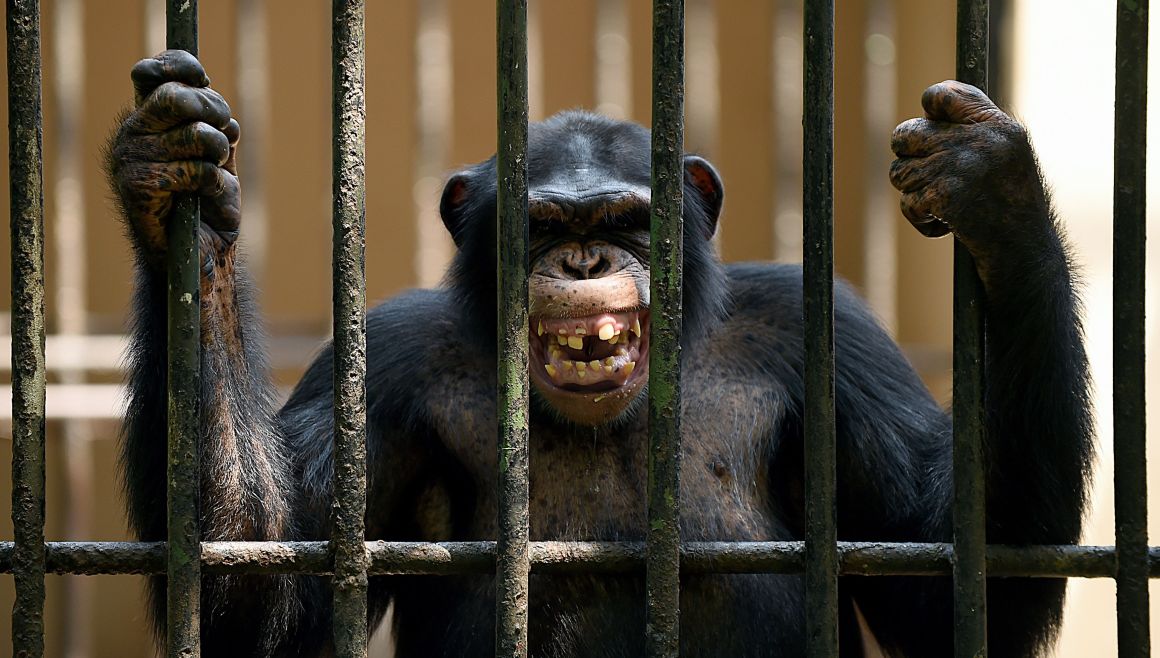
(598,267)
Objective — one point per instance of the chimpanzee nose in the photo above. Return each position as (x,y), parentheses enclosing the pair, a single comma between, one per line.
(585,262)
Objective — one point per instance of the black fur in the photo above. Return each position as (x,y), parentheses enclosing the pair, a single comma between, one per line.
(430,395)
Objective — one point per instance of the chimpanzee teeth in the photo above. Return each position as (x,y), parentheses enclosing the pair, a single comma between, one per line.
(540,328)
(551,369)
(607,331)
(563,340)
(636,326)
(629,367)
(576,342)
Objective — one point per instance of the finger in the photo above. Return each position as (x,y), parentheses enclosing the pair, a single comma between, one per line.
(917,138)
(910,174)
(192,176)
(175,103)
(169,66)
(924,209)
(192,141)
(223,211)
(958,102)
(233,133)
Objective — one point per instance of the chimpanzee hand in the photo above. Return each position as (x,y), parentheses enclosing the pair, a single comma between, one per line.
(179,139)
(968,168)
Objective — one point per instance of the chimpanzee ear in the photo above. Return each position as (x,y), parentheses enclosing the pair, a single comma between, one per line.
(702,178)
(453,204)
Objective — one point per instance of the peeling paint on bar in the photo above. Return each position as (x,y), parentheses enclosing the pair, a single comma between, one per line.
(348,510)
(818,306)
(25,180)
(970,524)
(511,638)
(183,613)
(662,577)
(1128,255)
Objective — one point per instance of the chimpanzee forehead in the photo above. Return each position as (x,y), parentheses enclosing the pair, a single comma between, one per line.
(580,153)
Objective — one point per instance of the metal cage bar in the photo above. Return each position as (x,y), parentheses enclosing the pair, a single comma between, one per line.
(1128,256)
(25,180)
(662,574)
(183,588)
(349,299)
(818,339)
(511,564)
(969,397)
(552,557)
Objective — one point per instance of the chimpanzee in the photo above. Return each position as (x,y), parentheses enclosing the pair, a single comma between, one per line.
(965,168)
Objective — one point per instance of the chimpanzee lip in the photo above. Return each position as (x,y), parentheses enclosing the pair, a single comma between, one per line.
(593,355)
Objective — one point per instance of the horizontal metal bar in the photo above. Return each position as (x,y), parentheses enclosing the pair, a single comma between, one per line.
(550,557)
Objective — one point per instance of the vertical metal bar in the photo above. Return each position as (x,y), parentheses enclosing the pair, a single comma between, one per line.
(662,580)
(25,180)
(183,614)
(818,306)
(349,298)
(1128,205)
(970,530)
(512,560)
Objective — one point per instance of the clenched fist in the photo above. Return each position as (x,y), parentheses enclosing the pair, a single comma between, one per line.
(179,139)
(968,168)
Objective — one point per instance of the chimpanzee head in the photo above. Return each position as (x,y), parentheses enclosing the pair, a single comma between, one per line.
(588,206)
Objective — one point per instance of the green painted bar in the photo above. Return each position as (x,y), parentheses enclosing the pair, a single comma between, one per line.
(1129,203)
(25,181)
(818,306)
(512,564)
(349,304)
(662,575)
(970,529)
(183,614)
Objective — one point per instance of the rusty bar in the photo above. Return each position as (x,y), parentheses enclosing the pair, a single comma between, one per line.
(662,575)
(349,300)
(969,397)
(1128,259)
(183,576)
(25,181)
(818,306)
(455,558)
(512,327)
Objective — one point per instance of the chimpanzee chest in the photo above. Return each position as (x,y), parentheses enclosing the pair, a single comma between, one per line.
(591,484)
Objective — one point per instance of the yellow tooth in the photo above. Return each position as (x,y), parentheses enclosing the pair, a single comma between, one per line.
(540,328)
(569,366)
(594,364)
(581,374)
(576,342)
(636,326)
(551,369)
(607,331)
(562,332)
(629,367)
(563,340)
(580,366)
(580,331)
(608,369)
(609,361)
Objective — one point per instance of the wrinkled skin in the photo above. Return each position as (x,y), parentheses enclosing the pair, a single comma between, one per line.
(965,168)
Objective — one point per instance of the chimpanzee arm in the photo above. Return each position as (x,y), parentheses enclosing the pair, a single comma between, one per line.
(967,168)
(180,139)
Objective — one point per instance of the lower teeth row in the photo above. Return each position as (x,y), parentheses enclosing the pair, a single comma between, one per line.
(581,368)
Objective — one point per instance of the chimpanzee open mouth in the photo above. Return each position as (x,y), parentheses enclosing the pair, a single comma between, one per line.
(592,354)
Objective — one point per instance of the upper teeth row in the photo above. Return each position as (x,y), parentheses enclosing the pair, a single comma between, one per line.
(606,332)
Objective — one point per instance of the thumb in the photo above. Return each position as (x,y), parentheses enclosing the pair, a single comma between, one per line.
(958,102)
